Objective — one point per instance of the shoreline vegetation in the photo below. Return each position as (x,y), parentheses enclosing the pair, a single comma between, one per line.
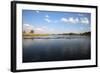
(53,36)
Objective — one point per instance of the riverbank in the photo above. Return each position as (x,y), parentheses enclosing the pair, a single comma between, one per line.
(31,34)
(55,37)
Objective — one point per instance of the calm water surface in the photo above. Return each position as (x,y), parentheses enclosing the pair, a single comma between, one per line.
(56,48)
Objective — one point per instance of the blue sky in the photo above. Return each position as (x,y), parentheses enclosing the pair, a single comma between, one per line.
(56,22)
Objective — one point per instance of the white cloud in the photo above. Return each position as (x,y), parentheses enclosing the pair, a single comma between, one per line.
(47,20)
(27,27)
(77,20)
(47,16)
(43,30)
(73,20)
(70,20)
(37,11)
(64,19)
(44,27)
(83,20)
(39,29)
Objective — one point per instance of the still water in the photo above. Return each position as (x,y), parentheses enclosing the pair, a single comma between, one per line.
(56,48)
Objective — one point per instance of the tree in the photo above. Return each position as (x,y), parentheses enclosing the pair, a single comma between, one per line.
(24,31)
(32,31)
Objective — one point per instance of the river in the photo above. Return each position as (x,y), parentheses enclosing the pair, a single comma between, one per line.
(56,48)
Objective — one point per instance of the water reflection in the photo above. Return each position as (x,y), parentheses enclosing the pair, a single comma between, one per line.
(41,49)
